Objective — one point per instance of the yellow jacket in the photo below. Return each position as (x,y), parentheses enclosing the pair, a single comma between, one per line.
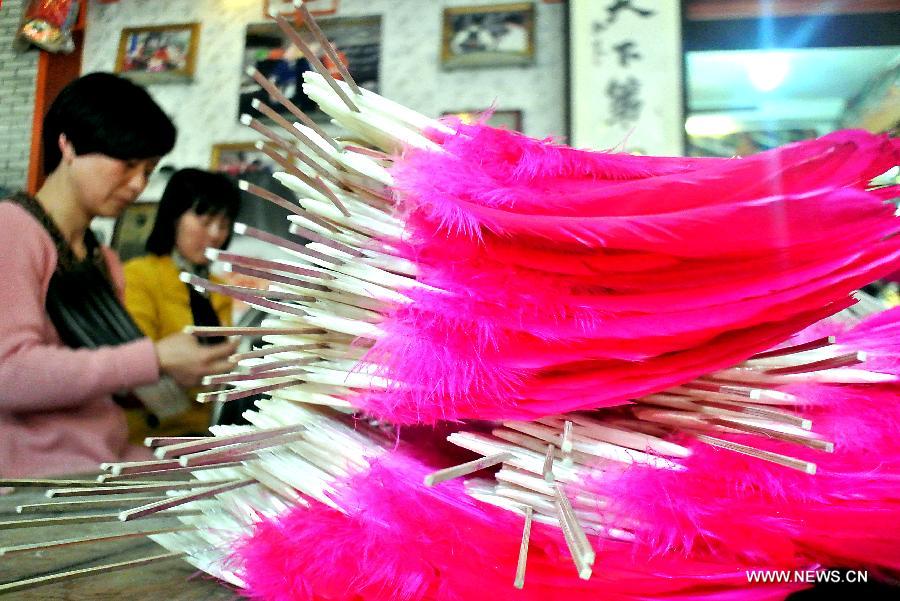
(160,304)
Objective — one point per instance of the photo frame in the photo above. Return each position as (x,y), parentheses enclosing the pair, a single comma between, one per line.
(132,229)
(286,8)
(499,35)
(158,54)
(239,159)
(358,44)
(506,119)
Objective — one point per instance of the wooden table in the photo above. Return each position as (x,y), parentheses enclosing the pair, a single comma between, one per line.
(169,580)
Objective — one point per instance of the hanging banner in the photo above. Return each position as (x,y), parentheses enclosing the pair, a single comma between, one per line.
(626,75)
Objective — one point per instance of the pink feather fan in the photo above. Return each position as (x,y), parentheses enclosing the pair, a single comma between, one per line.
(513,279)
(734,506)
(395,539)
(559,280)
(633,297)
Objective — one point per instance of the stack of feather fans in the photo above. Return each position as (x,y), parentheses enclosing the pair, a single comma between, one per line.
(500,363)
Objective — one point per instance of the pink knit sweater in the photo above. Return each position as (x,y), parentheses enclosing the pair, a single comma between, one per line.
(56,411)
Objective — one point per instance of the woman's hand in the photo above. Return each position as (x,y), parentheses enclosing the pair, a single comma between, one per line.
(186,361)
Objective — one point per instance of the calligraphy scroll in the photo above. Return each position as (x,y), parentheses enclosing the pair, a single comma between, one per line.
(626,75)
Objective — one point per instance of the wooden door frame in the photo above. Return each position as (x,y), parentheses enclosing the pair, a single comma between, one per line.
(54,71)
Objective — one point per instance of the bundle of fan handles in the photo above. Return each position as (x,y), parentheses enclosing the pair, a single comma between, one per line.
(493,362)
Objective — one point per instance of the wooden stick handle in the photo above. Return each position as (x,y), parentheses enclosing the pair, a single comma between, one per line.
(121,489)
(58,506)
(791,462)
(315,62)
(134,473)
(523,549)
(547,470)
(86,540)
(211,442)
(314,28)
(84,519)
(466,468)
(292,108)
(169,502)
(51,578)
(578,534)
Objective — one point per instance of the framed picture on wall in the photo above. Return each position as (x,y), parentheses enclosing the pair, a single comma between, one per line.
(132,229)
(499,35)
(239,159)
(158,54)
(509,119)
(356,39)
(274,8)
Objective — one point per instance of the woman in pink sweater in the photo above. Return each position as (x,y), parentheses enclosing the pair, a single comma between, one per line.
(66,343)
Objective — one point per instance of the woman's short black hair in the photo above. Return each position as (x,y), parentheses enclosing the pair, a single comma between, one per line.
(107,114)
(204,192)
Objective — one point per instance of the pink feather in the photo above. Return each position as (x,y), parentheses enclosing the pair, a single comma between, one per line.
(502,170)
(580,280)
(734,506)
(399,540)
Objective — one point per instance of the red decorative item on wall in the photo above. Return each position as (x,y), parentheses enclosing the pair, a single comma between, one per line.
(48,24)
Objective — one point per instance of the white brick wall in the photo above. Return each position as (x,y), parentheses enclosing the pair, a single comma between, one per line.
(206,110)
(17,85)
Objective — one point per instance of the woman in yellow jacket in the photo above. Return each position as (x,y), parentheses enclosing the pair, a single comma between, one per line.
(196,212)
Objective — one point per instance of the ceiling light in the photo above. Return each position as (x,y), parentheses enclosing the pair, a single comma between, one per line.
(768,70)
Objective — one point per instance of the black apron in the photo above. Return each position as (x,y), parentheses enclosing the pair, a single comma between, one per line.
(81,299)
